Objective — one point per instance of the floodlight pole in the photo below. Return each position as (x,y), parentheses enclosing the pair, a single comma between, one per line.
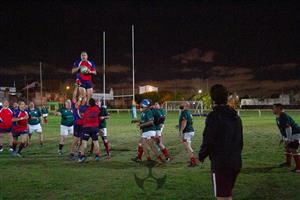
(104,68)
(133,75)
(41,83)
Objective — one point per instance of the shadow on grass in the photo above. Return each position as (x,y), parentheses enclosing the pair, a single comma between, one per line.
(254,170)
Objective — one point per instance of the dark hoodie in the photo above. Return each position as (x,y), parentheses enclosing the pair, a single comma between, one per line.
(223,139)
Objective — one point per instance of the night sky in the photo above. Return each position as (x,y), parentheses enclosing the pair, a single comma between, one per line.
(190,40)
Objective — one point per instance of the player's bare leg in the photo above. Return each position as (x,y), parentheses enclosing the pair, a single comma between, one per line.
(296,156)
(75,92)
(82,93)
(24,143)
(89,93)
(41,138)
(96,150)
(61,144)
(82,148)
(151,143)
(190,151)
(1,142)
(145,148)
(11,141)
(74,145)
(164,150)
(224,198)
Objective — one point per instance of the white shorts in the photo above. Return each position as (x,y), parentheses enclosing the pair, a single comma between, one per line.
(159,132)
(45,115)
(35,128)
(103,132)
(188,136)
(66,130)
(148,134)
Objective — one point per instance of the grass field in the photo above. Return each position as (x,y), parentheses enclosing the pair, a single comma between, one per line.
(42,174)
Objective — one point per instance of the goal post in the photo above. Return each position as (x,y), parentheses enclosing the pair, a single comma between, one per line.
(195,106)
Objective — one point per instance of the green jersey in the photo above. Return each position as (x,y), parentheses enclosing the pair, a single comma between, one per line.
(34,116)
(185,114)
(67,117)
(44,110)
(146,116)
(159,118)
(103,113)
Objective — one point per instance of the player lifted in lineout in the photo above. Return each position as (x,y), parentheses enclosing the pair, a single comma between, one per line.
(290,135)
(84,70)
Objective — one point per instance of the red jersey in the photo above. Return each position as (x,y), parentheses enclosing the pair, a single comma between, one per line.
(91,117)
(22,125)
(6,116)
(90,65)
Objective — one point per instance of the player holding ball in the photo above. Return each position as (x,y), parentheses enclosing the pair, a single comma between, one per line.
(84,70)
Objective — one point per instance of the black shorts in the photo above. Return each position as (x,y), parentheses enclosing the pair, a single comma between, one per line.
(18,134)
(5,130)
(77,131)
(223,182)
(293,144)
(90,132)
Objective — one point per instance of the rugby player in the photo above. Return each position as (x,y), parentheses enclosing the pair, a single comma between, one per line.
(223,143)
(159,120)
(34,122)
(66,124)
(148,130)
(103,116)
(78,108)
(20,128)
(186,131)
(290,135)
(6,115)
(85,68)
(45,112)
(90,130)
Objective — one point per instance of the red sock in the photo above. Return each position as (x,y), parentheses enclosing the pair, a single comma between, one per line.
(106,147)
(297,161)
(140,152)
(165,152)
(193,160)
(149,158)
(288,157)
(159,158)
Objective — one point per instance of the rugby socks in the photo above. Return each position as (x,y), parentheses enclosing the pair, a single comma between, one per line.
(106,145)
(140,152)
(165,152)
(288,158)
(60,147)
(14,147)
(22,145)
(297,161)
(149,158)
(193,160)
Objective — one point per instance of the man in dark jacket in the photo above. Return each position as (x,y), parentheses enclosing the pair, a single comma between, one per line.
(223,143)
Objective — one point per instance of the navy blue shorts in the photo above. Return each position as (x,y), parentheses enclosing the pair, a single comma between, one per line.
(293,144)
(90,132)
(77,131)
(86,84)
(17,134)
(5,130)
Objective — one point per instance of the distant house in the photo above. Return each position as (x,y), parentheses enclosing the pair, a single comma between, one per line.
(147,88)
(283,99)
(108,96)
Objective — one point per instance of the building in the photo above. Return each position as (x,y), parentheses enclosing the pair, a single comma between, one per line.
(147,88)
(283,99)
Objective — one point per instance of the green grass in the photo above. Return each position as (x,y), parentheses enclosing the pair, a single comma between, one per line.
(42,174)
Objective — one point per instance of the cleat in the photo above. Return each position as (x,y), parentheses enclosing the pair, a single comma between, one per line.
(82,159)
(18,155)
(1,150)
(296,170)
(168,159)
(285,165)
(11,150)
(193,165)
(60,152)
(72,156)
(136,159)
(97,158)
